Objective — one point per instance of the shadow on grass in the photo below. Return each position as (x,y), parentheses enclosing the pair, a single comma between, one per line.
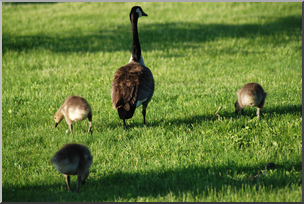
(162,36)
(281,110)
(196,119)
(270,111)
(194,180)
(188,120)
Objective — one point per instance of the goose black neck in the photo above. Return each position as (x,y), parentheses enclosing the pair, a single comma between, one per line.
(136,50)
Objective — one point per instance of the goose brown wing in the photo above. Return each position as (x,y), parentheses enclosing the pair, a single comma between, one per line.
(125,84)
(146,84)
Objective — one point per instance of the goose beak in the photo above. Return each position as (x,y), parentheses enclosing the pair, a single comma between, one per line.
(144,14)
(56,124)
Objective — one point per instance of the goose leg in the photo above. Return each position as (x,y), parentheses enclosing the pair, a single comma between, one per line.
(260,106)
(144,112)
(242,111)
(258,112)
(67,179)
(90,121)
(71,128)
(78,183)
(90,128)
(125,123)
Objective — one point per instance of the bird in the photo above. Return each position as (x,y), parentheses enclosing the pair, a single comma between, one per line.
(74,108)
(251,94)
(73,159)
(133,83)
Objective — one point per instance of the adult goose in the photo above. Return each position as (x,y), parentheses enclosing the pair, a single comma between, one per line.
(133,84)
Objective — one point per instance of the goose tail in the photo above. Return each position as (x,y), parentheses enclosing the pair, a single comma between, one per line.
(124,114)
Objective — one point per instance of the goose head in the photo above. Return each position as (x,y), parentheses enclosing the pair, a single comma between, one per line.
(137,12)
(58,117)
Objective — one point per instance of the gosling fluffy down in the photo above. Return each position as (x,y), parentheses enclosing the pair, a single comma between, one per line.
(74,108)
(251,94)
(73,159)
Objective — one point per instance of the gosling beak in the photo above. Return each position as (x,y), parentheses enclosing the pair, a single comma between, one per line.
(56,124)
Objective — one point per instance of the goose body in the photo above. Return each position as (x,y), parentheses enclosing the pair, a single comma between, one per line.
(251,94)
(133,84)
(74,108)
(73,159)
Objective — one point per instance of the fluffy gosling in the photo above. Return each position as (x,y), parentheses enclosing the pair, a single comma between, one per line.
(251,94)
(73,159)
(74,108)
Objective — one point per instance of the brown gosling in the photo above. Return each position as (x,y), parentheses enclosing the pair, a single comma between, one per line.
(74,108)
(73,159)
(251,94)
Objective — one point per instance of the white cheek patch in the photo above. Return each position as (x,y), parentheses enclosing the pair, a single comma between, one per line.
(139,13)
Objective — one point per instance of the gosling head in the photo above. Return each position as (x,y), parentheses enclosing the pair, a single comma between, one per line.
(237,107)
(58,117)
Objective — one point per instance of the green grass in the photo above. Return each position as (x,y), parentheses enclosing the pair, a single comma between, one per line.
(200,54)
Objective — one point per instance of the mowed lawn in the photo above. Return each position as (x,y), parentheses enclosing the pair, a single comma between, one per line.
(200,54)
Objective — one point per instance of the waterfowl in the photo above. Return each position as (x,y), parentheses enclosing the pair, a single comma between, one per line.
(74,108)
(73,159)
(251,94)
(133,84)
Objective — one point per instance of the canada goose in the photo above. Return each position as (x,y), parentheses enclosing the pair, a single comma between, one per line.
(133,84)
(251,94)
(74,108)
(73,159)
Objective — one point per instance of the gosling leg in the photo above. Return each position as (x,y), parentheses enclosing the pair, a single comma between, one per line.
(258,112)
(71,128)
(67,179)
(90,121)
(78,183)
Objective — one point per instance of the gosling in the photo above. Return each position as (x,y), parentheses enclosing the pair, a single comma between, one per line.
(252,94)
(74,108)
(73,159)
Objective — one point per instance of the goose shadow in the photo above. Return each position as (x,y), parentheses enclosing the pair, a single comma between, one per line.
(190,120)
(195,180)
(191,180)
(271,111)
(154,36)
(133,123)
